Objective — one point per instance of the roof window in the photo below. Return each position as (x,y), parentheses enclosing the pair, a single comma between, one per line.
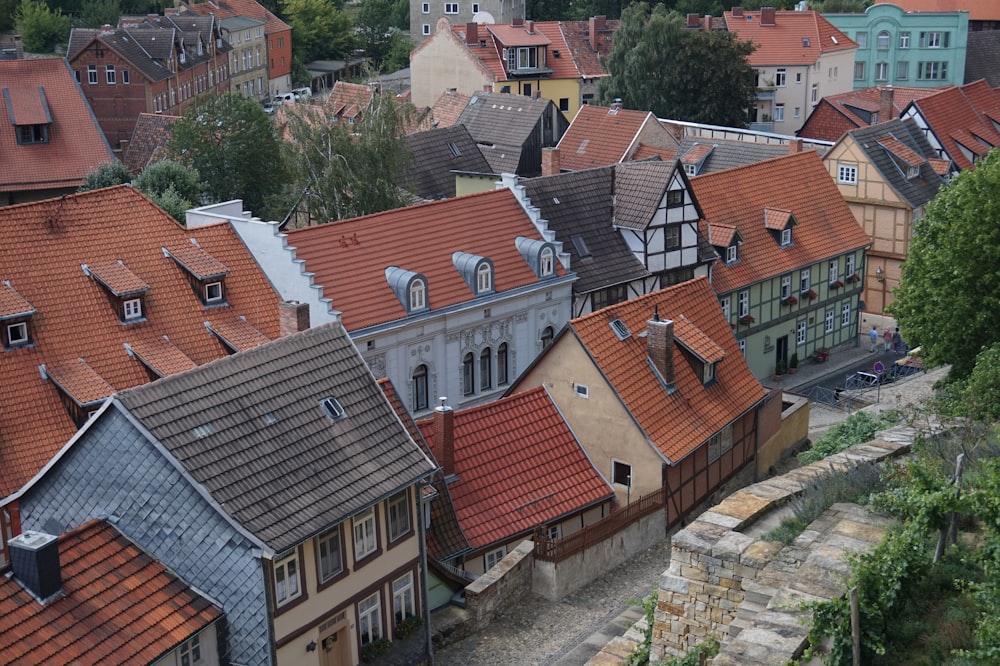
(620,329)
(333,409)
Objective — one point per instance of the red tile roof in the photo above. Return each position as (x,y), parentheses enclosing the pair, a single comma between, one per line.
(577,36)
(510,35)
(959,116)
(249,8)
(836,114)
(900,150)
(449,107)
(979,10)
(644,152)
(740,198)
(518,465)
(680,422)
(421,239)
(76,144)
(347,100)
(43,248)
(600,136)
(546,33)
(117,606)
(149,140)
(783,43)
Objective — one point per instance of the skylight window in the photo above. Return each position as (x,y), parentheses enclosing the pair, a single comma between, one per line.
(333,409)
(620,329)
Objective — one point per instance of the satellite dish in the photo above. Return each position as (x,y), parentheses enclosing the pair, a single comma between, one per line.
(483,17)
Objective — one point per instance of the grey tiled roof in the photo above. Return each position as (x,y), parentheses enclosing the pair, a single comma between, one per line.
(729,154)
(434,157)
(639,188)
(579,204)
(251,429)
(502,118)
(915,191)
(131,45)
(982,57)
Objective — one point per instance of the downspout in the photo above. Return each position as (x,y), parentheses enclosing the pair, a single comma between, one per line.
(422,535)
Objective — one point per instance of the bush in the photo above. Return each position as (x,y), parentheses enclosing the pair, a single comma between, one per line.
(41,28)
(857,428)
(105,175)
(375,649)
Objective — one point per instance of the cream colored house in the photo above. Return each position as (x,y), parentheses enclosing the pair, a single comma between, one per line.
(886,173)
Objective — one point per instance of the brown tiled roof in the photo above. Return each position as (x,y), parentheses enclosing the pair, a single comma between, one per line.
(721,235)
(644,152)
(236,332)
(784,43)
(449,107)
(44,246)
(79,380)
(692,337)
(546,33)
(901,151)
(196,261)
(117,606)
(836,114)
(421,239)
(511,35)
(599,136)
(76,144)
(518,465)
(777,219)
(149,140)
(739,197)
(959,116)
(577,36)
(116,276)
(979,10)
(161,356)
(348,100)
(12,304)
(940,166)
(249,8)
(677,423)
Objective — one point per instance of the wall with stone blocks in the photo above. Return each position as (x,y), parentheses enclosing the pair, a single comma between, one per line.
(722,580)
(501,586)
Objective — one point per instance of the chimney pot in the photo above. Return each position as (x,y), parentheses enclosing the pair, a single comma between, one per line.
(34,559)
(293,317)
(596,25)
(444,436)
(529,27)
(660,347)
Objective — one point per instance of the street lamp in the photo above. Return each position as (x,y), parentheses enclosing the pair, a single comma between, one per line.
(880,274)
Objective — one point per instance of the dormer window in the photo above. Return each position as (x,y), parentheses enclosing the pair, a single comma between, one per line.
(786,237)
(780,222)
(213,292)
(204,273)
(17,335)
(547,261)
(476,271)
(732,254)
(16,315)
(418,295)
(484,278)
(540,255)
(410,288)
(133,309)
(125,290)
(28,111)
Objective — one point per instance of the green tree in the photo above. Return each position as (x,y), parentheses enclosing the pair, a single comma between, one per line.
(692,75)
(173,186)
(349,170)
(105,175)
(229,141)
(946,301)
(41,28)
(8,14)
(95,13)
(399,53)
(374,29)
(321,29)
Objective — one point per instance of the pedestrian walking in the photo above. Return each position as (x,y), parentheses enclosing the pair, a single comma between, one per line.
(887,336)
(897,342)
(873,336)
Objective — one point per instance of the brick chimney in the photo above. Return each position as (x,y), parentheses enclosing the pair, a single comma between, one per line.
(529,27)
(692,21)
(517,23)
(794,146)
(550,161)
(472,33)
(767,16)
(737,12)
(886,110)
(293,317)
(34,559)
(708,23)
(597,25)
(444,436)
(660,347)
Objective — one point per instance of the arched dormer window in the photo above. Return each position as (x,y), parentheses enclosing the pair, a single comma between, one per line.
(540,255)
(418,295)
(476,271)
(410,288)
(546,260)
(484,278)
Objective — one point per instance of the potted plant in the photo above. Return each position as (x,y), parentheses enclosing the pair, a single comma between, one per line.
(746,320)
(793,364)
(853,277)
(779,369)
(809,295)
(790,300)
(408,625)
(836,284)
(373,650)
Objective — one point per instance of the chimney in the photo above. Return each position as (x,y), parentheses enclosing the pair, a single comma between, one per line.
(737,12)
(529,27)
(536,94)
(708,23)
(517,23)
(597,25)
(34,559)
(444,436)
(472,33)
(660,347)
(794,146)
(886,109)
(293,317)
(692,21)
(767,16)
(550,161)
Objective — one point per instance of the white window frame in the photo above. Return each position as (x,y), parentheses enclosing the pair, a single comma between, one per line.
(213,292)
(418,295)
(814,94)
(731,254)
(110,77)
(932,40)
(786,237)
(126,78)
(553,532)
(881,71)
(882,40)
(475,8)
(800,333)
(846,174)
(92,75)
(451,8)
(834,271)
(132,309)
(797,112)
(189,653)
(331,543)
(744,303)
(484,278)
(779,113)
(805,280)
(845,314)
(725,302)
(425,8)
(786,286)
(781,77)
(743,346)
(403,600)
(831,317)
(904,40)
(492,558)
(20,337)
(546,262)
(849,266)
(426,29)
(398,511)
(581,390)
(287,579)
(365,533)
(370,619)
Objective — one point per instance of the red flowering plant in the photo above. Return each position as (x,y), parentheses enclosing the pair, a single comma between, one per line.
(810,294)
(836,284)
(746,320)
(853,277)
(791,300)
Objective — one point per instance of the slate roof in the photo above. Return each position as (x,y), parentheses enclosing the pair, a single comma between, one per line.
(783,43)
(149,140)
(676,423)
(44,245)
(117,606)
(963,115)
(518,465)
(252,430)
(639,189)
(76,143)
(502,123)
(436,153)
(722,154)
(836,114)
(448,108)
(891,145)
(982,57)
(979,10)
(599,136)
(249,8)
(799,184)
(421,239)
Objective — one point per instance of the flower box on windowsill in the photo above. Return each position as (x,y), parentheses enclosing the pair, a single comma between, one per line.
(746,320)
(836,284)
(853,277)
(791,300)
(810,294)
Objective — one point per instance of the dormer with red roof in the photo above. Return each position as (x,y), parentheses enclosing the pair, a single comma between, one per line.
(16,314)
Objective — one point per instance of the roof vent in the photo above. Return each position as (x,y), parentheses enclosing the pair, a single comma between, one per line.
(620,329)
(333,409)
(34,559)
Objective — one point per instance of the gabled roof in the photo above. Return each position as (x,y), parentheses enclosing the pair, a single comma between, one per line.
(639,190)
(578,39)
(348,100)
(891,145)
(982,57)
(796,38)
(249,8)
(421,239)
(448,108)
(503,119)
(518,465)
(544,33)
(797,184)
(252,429)
(45,89)
(44,246)
(719,154)
(676,423)
(149,140)
(579,207)
(599,136)
(836,114)
(962,116)
(436,153)
(146,49)
(118,605)
(979,10)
